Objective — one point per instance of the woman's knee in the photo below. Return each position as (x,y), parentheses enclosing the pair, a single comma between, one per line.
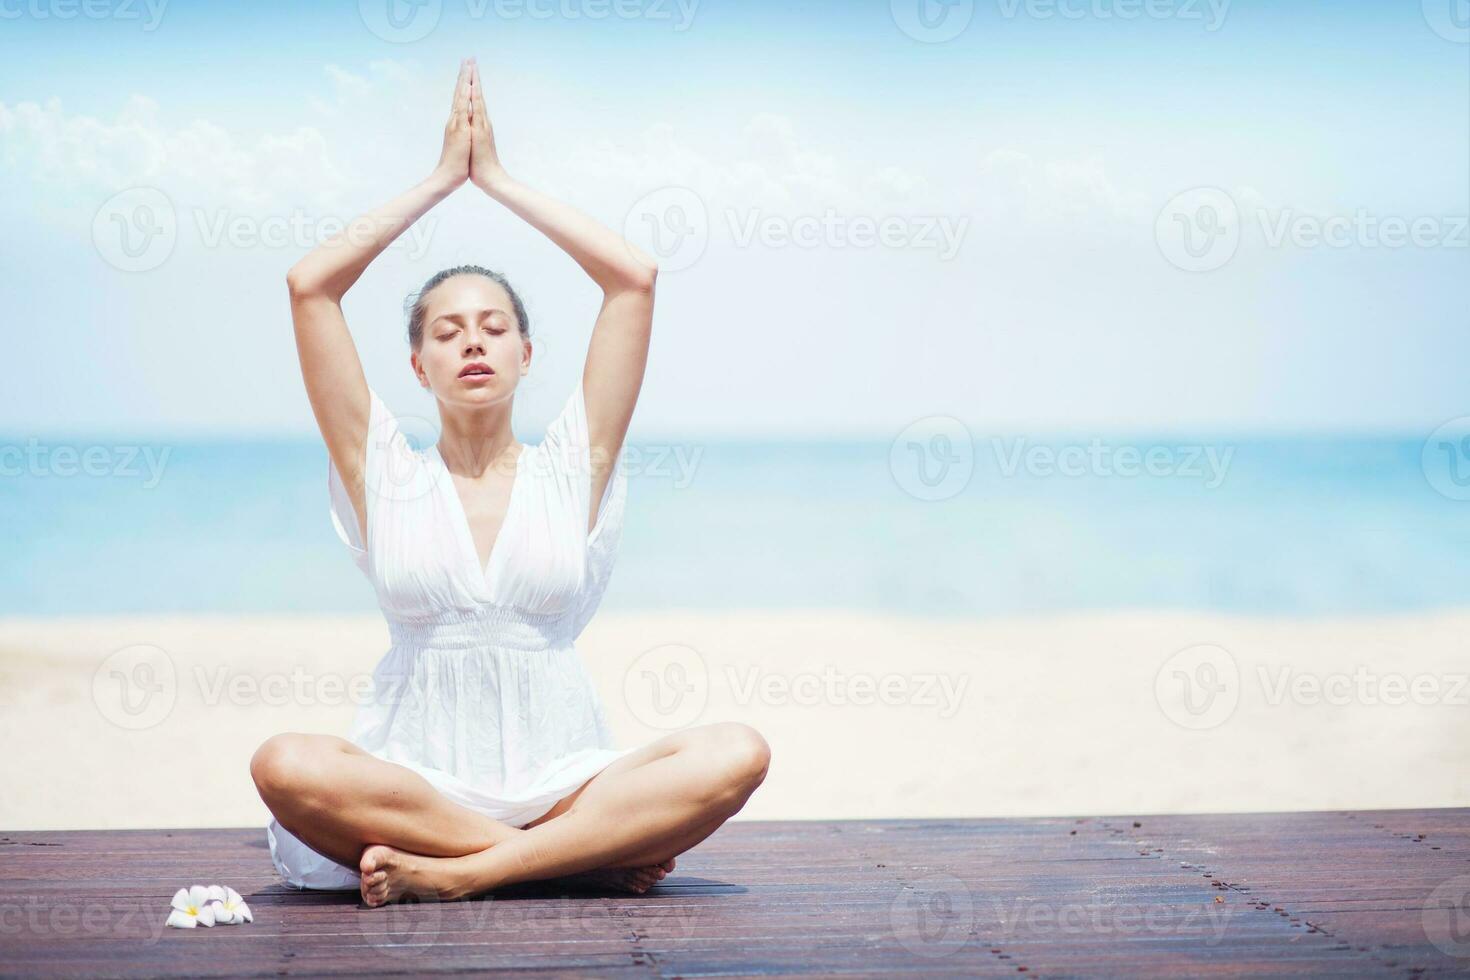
(288,763)
(740,755)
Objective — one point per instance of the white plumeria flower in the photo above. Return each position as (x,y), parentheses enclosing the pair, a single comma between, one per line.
(229,908)
(191,907)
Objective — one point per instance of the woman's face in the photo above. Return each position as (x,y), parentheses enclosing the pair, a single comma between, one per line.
(472,352)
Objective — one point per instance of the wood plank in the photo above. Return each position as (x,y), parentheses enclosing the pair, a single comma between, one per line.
(1284,894)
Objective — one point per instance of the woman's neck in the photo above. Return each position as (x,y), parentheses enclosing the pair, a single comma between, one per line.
(471,442)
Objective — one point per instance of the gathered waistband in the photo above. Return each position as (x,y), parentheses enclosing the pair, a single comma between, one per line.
(491,626)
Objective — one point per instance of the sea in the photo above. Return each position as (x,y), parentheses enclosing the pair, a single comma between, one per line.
(924,525)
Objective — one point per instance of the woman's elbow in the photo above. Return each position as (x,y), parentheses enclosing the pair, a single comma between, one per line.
(304,284)
(638,275)
(299,282)
(644,277)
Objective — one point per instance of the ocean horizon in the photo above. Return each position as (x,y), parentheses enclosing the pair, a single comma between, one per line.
(1011,525)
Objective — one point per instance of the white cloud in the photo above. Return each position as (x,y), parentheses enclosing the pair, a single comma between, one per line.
(1011,181)
(78,157)
(766,164)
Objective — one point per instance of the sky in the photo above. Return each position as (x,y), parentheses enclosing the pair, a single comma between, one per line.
(1031,215)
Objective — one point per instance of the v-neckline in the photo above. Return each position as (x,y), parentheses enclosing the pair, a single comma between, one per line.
(467,533)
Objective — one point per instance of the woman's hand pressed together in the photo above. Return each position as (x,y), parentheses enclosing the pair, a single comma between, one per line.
(453,168)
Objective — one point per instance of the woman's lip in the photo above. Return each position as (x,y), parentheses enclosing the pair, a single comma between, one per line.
(476,374)
(476,377)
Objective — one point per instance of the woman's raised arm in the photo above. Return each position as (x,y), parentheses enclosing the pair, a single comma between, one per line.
(329,363)
(618,352)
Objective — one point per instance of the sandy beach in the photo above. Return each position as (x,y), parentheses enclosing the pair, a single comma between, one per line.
(150,721)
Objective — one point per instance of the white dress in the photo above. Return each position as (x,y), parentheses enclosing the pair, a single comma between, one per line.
(482,692)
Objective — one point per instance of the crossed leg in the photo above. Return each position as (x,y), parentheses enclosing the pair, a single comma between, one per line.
(406,837)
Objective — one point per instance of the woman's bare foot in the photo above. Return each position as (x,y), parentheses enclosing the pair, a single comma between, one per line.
(389,875)
(633,880)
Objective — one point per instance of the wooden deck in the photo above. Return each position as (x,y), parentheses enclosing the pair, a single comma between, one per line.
(1340,894)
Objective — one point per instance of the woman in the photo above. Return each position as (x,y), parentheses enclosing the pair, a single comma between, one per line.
(483,758)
